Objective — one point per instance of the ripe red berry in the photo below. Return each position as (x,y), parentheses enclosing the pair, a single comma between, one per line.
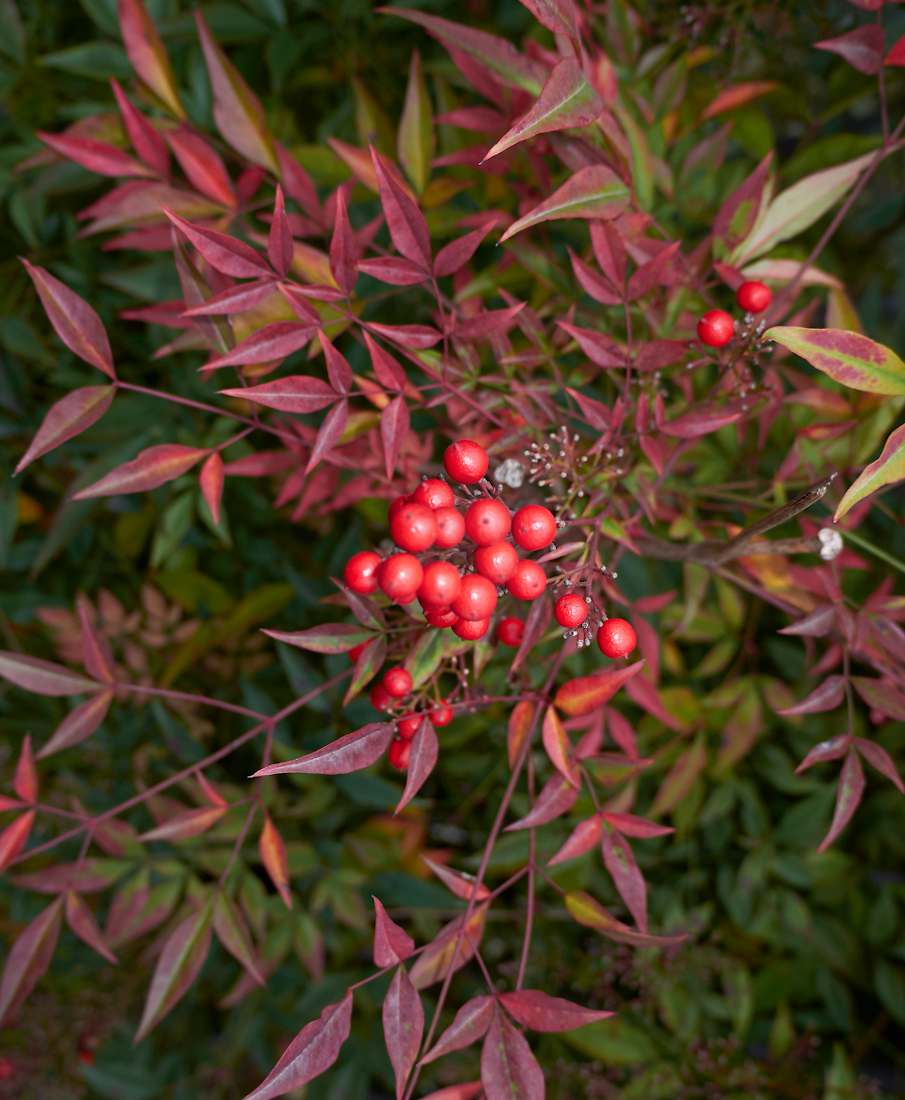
(396,504)
(528,581)
(441,714)
(477,598)
(466,461)
(380,697)
(716,328)
(356,651)
(414,527)
(754,297)
(570,610)
(441,619)
(441,585)
(407,726)
(510,631)
(487,521)
(496,562)
(617,638)
(398,753)
(450,528)
(471,629)
(533,527)
(360,573)
(434,493)
(400,577)
(397,682)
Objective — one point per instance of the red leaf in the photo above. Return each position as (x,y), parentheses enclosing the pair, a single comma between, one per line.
(29,958)
(211,482)
(67,418)
(74,321)
(595,412)
(509,1071)
(832,749)
(268,345)
(79,724)
(338,370)
(178,964)
(343,246)
(43,677)
(329,434)
(394,270)
(394,430)
(622,733)
(592,192)
(585,836)
(880,759)
(146,141)
(470,1024)
(636,826)
(311,1052)
(423,758)
(487,324)
(609,252)
(297,393)
(298,183)
(450,949)
(81,920)
(534,1009)
(403,1026)
(862,48)
(458,882)
(202,166)
(536,622)
(96,156)
(558,16)
(559,747)
(392,944)
(222,252)
(600,349)
(186,825)
(25,779)
(455,255)
(815,625)
(327,638)
(406,223)
(737,95)
(702,421)
(408,336)
(238,299)
(896,56)
(848,795)
(881,695)
(626,875)
(350,753)
(586,693)
(656,272)
(14,837)
(593,284)
(279,240)
(557,797)
(153,467)
(827,696)
(521,723)
(273,856)
(147,53)
(735,218)
(387,370)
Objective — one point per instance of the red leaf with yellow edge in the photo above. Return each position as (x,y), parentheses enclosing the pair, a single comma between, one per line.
(14,838)
(147,53)
(178,964)
(589,912)
(273,856)
(458,882)
(559,747)
(153,467)
(585,693)
(452,947)
(521,722)
(592,192)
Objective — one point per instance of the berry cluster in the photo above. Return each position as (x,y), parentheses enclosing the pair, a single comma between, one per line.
(717,328)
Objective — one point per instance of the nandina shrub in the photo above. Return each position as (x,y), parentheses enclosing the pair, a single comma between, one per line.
(593,323)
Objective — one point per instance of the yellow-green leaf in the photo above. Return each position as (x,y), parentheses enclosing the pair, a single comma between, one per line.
(847,357)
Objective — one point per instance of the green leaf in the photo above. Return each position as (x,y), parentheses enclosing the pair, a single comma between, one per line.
(416,128)
(847,357)
(593,192)
(616,1042)
(885,470)
(98,60)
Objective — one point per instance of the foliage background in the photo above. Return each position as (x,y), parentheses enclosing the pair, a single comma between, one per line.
(803,960)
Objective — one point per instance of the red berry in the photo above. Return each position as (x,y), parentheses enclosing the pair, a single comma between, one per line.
(617,638)
(441,619)
(407,726)
(356,651)
(510,631)
(570,610)
(471,629)
(533,527)
(434,493)
(754,297)
(477,599)
(398,753)
(528,581)
(716,328)
(396,504)
(413,527)
(441,714)
(360,573)
(441,584)
(487,521)
(450,528)
(380,697)
(400,577)
(496,562)
(397,682)
(466,461)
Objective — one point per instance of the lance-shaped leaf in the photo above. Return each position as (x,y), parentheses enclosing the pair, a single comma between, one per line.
(279,239)
(67,418)
(589,912)
(96,156)
(422,760)
(415,141)
(459,883)
(238,299)
(566,100)
(25,777)
(896,56)
(43,677)
(393,270)
(739,212)
(536,622)
(96,655)
(703,420)
(833,749)
(403,1026)
(351,753)
(680,778)
(881,694)
(593,284)
(509,1070)
(81,920)
(534,1009)
(408,229)
(232,932)
(79,724)
(586,693)
(222,252)
(343,246)
(328,638)
(202,166)
(73,320)
(521,723)
(273,855)
(826,696)
(599,348)
(369,663)
(470,1024)
(14,838)
(559,16)
(583,838)
(187,824)
(593,192)
(298,393)
(848,795)
(626,875)
(634,826)
(392,944)
(880,759)
(817,624)
(451,949)
(153,467)
(737,95)
(559,747)
(847,357)
(85,878)
(557,797)
(29,958)
(178,965)
(147,53)
(311,1052)
(210,481)
(454,256)
(394,430)
(237,111)
(862,48)
(888,469)
(146,140)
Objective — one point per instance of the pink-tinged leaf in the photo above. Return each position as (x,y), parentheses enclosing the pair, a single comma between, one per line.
(329,433)
(656,272)
(403,1026)
(279,239)
(680,778)
(343,246)
(233,933)
(81,920)
(634,826)
(880,759)
(297,393)
(817,624)
(387,370)
(394,430)
(586,693)
(896,56)
(702,421)
(7,803)
(622,732)
(881,694)
(600,349)
(737,95)
(211,482)
(43,677)
(488,324)
(87,877)
(73,320)
(847,357)
(222,252)
(888,469)
(67,418)
(408,229)
(509,1070)
(557,797)
(592,192)
(862,48)
(558,746)
(147,54)
(826,696)
(273,855)
(238,299)
(178,964)
(25,777)
(14,837)
(269,345)
(423,759)
(559,16)
(202,166)
(470,1024)
(350,753)
(393,270)
(626,875)
(417,337)
(327,638)
(458,882)
(146,140)
(237,111)
(29,958)
(471,1090)
(450,950)
(566,100)
(736,217)
(534,1009)
(848,796)
(833,749)
(153,467)
(79,724)
(415,141)
(538,619)
(136,910)
(298,184)
(588,912)
(97,156)
(311,1052)
(209,791)
(593,284)
(186,825)
(609,252)
(521,723)
(369,663)
(455,255)
(583,838)
(338,370)
(595,412)
(392,944)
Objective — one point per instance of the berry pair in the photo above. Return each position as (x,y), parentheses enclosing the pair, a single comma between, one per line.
(408,725)
(615,637)
(396,684)
(717,328)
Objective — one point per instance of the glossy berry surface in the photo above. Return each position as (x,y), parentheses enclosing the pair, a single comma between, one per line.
(380,697)
(441,584)
(528,581)
(716,328)
(570,610)
(407,726)
(414,527)
(510,631)
(398,753)
(466,461)
(396,504)
(496,562)
(533,527)
(616,638)
(441,715)
(400,577)
(397,682)
(470,630)
(754,297)
(356,651)
(450,528)
(360,573)
(434,493)
(441,619)
(487,521)
(477,598)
